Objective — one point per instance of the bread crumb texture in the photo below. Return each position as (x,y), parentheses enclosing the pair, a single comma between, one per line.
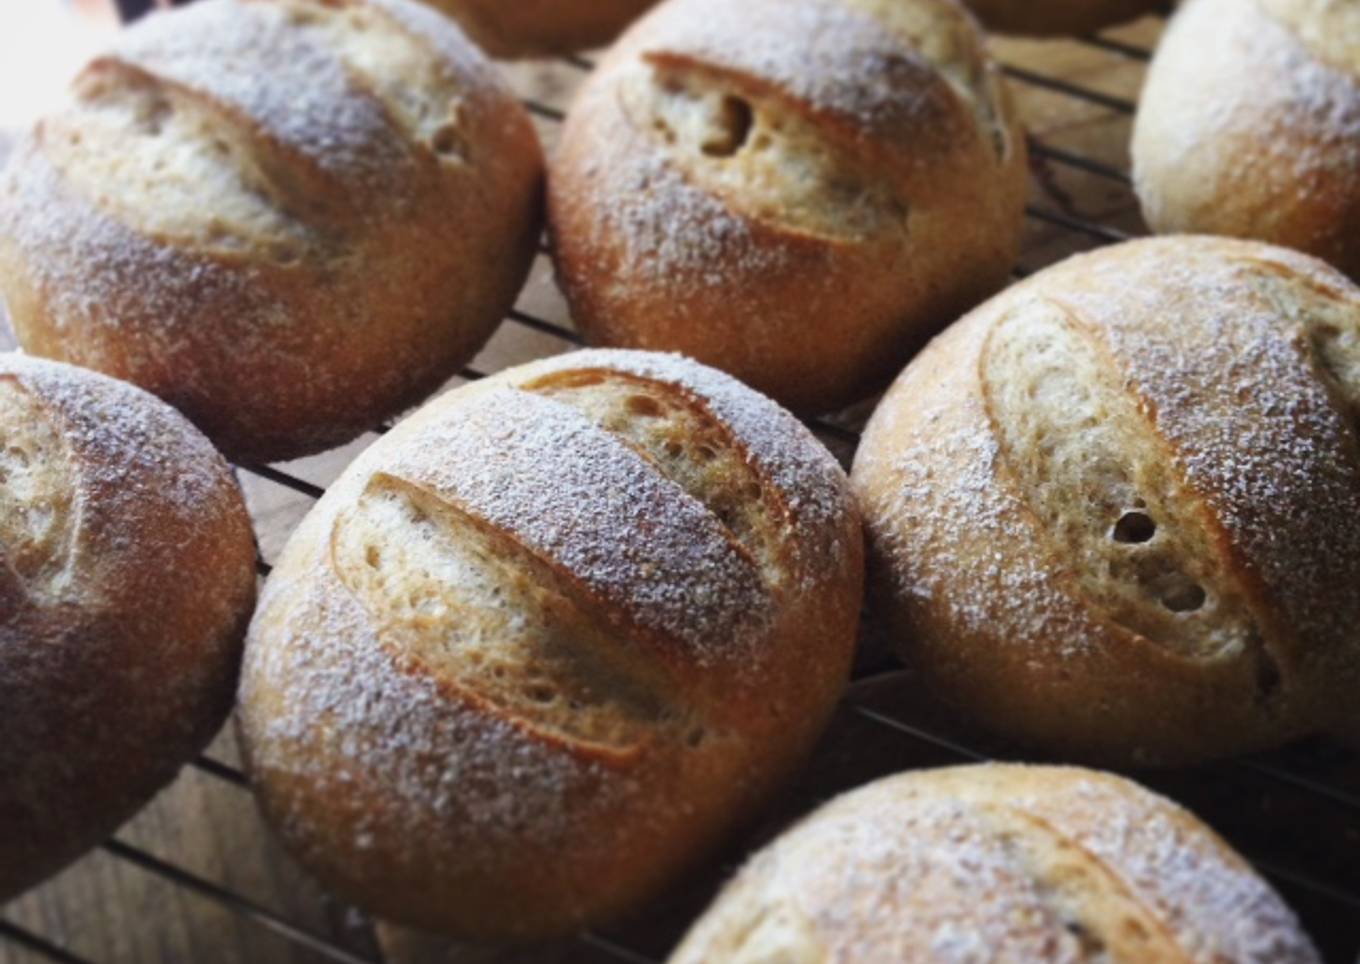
(243,200)
(548,638)
(1130,489)
(998,863)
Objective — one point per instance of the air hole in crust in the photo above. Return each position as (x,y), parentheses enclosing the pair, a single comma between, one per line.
(644,406)
(1181,594)
(732,126)
(695,737)
(373,557)
(447,141)
(1134,528)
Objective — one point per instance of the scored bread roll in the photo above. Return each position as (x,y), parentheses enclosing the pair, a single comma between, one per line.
(126,579)
(1046,17)
(289,219)
(535,27)
(998,863)
(545,643)
(1115,512)
(733,183)
(1268,147)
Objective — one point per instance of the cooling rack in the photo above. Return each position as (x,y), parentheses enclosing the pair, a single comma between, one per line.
(196,876)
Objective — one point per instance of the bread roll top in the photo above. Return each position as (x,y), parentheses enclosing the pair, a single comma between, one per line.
(556,612)
(797,192)
(844,153)
(1138,475)
(1270,147)
(1008,862)
(126,580)
(102,490)
(241,127)
(195,218)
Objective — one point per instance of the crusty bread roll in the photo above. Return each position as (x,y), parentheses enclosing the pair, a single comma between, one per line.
(126,579)
(998,863)
(545,643)
(525,28)
(1115,512)
(1268,146)
(736,184)
(1048,17)
(288,218)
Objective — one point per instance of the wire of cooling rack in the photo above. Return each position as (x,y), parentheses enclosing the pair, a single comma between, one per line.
(601,946)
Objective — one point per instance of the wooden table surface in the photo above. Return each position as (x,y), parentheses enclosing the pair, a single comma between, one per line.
(173,885)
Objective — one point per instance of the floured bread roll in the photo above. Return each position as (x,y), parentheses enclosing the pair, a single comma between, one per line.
(289,219)
(127,575)
(998,863)
(1115,512)
(526,28)
(1059,16)
(798,192)
(540,647)
(1249,125)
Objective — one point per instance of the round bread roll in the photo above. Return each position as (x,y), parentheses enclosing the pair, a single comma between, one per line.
(734,184)
(1048,17)
(998,863)
(527,28)
(127,576)
(1115,512)
(543,645)
(289,219)
(1269,145)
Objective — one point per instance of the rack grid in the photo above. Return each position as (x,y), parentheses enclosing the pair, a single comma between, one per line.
(1294,813)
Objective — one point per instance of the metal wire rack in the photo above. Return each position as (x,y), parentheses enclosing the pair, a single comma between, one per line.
(1295,813)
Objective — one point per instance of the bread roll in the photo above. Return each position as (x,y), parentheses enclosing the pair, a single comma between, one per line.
(1115,512)
(1268,146)
(734,183)
(998,863)
(548,641)
(289,219)
(526,28)
(126,580)
(1046,17)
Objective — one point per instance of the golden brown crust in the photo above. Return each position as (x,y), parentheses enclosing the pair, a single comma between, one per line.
(733,185)
(528,28)
(545,643)
(1115,512)
(290,219)
(1002,863)
(126,580)
(1048,17)
(1269,146)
